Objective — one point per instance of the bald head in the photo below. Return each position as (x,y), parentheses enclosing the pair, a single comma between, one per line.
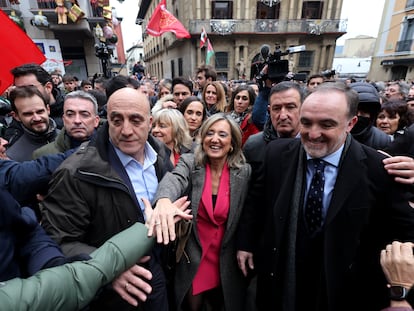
(129,121)
(129,97)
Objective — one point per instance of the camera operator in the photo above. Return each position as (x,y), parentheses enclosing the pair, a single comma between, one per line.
(270,71)
(259,112)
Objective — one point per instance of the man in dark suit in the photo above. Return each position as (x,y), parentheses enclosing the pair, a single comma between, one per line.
(335,267)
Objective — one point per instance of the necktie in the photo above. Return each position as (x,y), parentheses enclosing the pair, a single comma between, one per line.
(313,209)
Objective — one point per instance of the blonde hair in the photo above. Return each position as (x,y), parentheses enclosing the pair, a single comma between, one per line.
(180,131)
(221,103)
(235,157)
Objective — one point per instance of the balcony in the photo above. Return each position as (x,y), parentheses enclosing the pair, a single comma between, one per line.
(409,4)
(404,46)
(229,26)
(93,15)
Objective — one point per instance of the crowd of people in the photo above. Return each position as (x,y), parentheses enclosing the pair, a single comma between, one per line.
(198,195)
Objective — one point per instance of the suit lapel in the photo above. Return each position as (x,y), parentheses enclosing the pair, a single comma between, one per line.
(351,170)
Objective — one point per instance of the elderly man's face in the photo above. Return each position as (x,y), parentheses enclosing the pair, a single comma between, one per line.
(129,121)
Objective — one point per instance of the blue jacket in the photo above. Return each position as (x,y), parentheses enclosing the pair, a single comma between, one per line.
(25,179)
(25,246)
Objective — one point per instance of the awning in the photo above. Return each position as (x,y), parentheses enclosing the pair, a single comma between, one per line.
(397,61)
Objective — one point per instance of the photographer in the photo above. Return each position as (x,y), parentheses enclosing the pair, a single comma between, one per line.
(270,71)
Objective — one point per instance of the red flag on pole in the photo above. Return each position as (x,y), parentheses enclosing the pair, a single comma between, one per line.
(163,21)
(203,38)
(20,50)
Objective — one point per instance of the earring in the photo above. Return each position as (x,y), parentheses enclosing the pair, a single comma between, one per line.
(231,149)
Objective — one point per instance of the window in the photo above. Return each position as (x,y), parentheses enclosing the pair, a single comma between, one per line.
(312,9)
(180,66)
(305,59)
(407,35)
(266,12)
(222,60)
(410,3)
(222,9)
(172,69)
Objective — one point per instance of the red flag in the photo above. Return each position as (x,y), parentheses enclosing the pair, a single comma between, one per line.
(163,21)
(203,38)
(20,50)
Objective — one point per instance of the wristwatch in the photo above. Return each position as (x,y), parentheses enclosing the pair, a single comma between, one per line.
(399,293)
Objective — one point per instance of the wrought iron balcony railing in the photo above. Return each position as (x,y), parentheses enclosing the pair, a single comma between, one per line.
(228,26)
(403,46)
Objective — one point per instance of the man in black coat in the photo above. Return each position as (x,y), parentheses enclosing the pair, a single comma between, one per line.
(336,267)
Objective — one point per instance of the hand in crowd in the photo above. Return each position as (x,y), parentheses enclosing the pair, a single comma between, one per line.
(402,167)
(165,215)
(397,262)
(132,285)
(245,261)
(3,144)
(169,104)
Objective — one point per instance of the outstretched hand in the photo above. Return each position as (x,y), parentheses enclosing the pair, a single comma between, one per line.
(161,220)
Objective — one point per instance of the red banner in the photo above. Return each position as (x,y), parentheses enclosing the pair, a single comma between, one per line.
(163,21)
(19,50)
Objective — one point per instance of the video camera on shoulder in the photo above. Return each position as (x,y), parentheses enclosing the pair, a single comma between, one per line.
(277,68)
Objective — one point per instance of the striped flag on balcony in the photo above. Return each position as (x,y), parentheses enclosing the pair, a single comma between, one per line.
(210,52)
(203,38)
(163,21)
(19,50)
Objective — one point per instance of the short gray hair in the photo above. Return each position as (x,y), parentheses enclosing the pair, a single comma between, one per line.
(84,95)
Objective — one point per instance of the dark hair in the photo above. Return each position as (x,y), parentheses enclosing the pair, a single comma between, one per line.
(27,91)
(188,101)
(209,72)
(86,82)
(100,98)
(99,80)
(393,107)
(184,81)
(41,74)
(314,76)
(351,95)
(287,85)
(242,87)
(67,77)
(119,82)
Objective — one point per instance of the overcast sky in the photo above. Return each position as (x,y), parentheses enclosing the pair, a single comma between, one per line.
(364,17)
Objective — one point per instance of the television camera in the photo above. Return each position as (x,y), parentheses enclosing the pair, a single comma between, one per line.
(277,68)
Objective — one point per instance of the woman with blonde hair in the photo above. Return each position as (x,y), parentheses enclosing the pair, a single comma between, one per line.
(216,179)
(214,97)
(170,127)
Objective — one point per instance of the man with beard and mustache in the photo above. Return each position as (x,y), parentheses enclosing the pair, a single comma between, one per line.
(36,75)
(80,120)
(325,258)
(369,106)
(30,108)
